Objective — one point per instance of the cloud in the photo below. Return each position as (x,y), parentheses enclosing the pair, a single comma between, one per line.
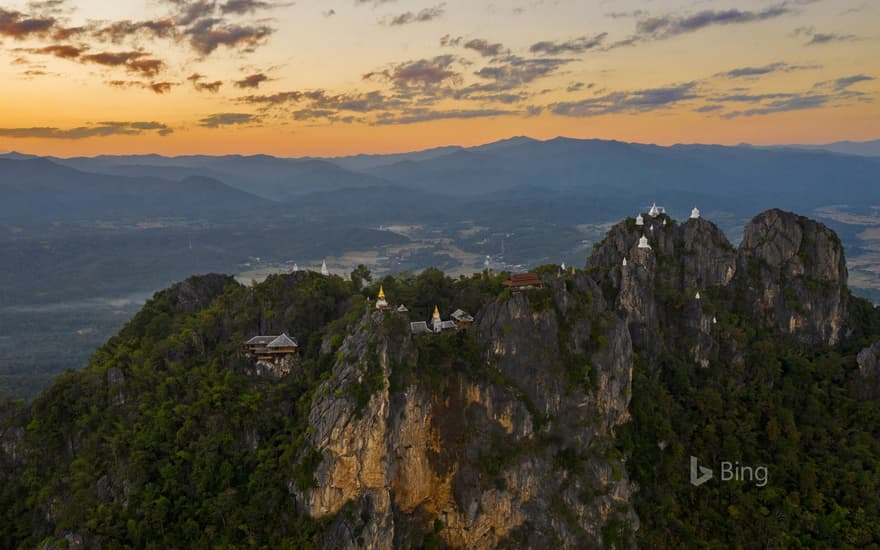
(64,51)
(422,72)
(155,87)
(708,108)
(577,45)
(242,7)
(650,28)
(626,14)
(794,103)
(578,86)
(846,82)
(101,129)
(132,61)
(120,30)
(251,81)
(818,38)
(14,24)
(778,67)
(200,85)
(667,26)
(227,119)
(207,35)
(422,16)
(413,116)
(485,48)
(513,71)
(636,101)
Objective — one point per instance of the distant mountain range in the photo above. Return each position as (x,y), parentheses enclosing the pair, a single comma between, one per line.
(38,189)
(744,179)
(859,148)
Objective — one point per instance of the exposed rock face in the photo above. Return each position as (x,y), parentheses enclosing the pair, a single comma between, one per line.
(196,293)
(789,269)
(275,368)
(682,259)
(115,380)
(794,273)
(869,366)
(480,458)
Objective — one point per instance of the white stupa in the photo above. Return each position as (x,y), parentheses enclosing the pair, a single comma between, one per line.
(654,211)
(324,271)
(640,220)
(563,266)
(714,320)
(436,322)
(664,222)
(651,228)
(381,303)
(643,243)
(695,213)
(697,297)
(624,262)
(295,268)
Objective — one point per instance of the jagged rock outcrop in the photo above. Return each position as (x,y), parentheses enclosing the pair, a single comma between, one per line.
(682,260)
(483,456)
(197,293)
(793,273)
(869,367)
(789,271)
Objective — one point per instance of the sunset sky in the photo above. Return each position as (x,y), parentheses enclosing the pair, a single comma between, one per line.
(333,77)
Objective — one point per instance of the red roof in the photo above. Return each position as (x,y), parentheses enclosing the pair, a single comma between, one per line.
(524,279)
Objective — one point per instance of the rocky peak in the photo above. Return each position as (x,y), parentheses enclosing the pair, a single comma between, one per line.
(793,273)
(197,292)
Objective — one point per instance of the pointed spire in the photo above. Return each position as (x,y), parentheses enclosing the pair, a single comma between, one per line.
(436,316)
(714,320)
(655,211)
(295,267)
(697,297)
(624,262)
(381,292)
(640,220)
(324,270)
(664,222)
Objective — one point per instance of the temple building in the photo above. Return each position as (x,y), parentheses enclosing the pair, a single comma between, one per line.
(695,213)
(523,281)
(643,243)
(461,318)
(438,325)
(271,346)
(640,221)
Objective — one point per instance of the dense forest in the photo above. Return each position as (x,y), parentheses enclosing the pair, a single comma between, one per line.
(168,440)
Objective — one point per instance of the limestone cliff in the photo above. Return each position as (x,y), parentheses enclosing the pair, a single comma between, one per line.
(794,274)
(512,449)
